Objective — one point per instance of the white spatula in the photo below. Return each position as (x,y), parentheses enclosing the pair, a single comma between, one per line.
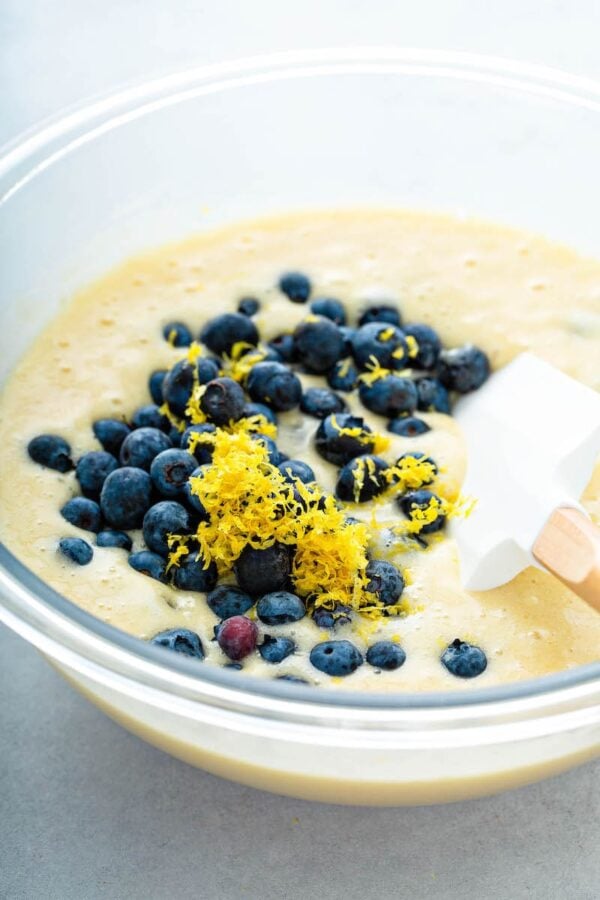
(533,436)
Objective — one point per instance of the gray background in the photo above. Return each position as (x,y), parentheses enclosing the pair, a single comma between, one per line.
(89,811)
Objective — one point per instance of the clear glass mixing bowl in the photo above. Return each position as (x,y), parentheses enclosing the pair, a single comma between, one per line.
(332,128)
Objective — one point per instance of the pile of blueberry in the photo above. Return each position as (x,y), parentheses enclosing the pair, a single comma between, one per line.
(140,479)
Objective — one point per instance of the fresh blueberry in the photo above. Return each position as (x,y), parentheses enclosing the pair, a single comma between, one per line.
(296,468)
(331,618)
(321,402)
(191,498)
(343,376)
(177,387)
(432,396)
(385,581)
(337,658)
(380,342)
(276,649)
(170,471)
(125,498)
(111,433)
(340,438)
(248,306)
(318,343)
(202,451)
(463,369)
(464,660)
(273,383)
(260,409)
(191,575)
(293,678)
(408,426)
(155,383)
(362,479)
(93,469)
(208,369)
(386,655)
(283,345)
(51,451)
(275,457)
(148,563)
(110,538)
(150,416)
(404,463)
(279,608)
(263,571)
(83,513)
(296,286)
(177,334)
(182,640)
(389,396)
(347,334)
(237,637)
(175,436)
(381,313)
(428,345)
(163,519)
(223,401)
(222,332)
(415,501)
(330,309)
(76,550)
(141,446)
(227,600)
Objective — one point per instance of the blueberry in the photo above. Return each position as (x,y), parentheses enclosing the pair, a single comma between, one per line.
(222,332)
(386,655)
(227,600)
(318,343)
(170,471)
(296,468)
(276,649)
(203,452)
(464,660)
(208,369)
(463,369)
(432,396)
(330,309)
(191,575)
(248,306)
(347,334)
(413,501)
(237,637)
(362,479)
(262,571)
(149,416)
(177,387)
(83,513)
(182,640)
(275,457)
(155,383)
(110,538)
(293,678)
(408,426)
(164,518)
(125,498)
(177,334)
(192,500)
(51,451)
(380,342)
(279,608)
(380,313)
(283,345)
(223,401)
(389,396)
(273,383)
(321,402)
(428,343)
(331,618)
(148,563)
(76,550)
(296,286)
(337,658)
(404,463)
(141,446)
(260,409)
(385,581)
(339,438)
(343,376)
(175,436)
(93,469)
(111,433)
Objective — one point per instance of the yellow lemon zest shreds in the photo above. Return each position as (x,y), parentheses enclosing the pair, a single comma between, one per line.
(177,553)
(419,518)
(381,443)
(257,424)
(375,372)
(194,353)
(344,367)
(311,317)
(175,421)
(387,334)
(461,507)
(412,344)
(411,473)
(172,335)
(360,434)
(399,352)
(193,410)
(239,362)
(402,608)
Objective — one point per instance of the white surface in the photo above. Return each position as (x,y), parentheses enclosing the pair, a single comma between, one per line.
(89,811)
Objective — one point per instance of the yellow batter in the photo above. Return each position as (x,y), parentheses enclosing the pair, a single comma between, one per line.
(503,290)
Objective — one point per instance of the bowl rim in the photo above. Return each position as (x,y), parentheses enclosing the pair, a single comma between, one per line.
(66,632)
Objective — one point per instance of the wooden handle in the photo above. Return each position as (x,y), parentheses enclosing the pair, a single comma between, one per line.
(569,546)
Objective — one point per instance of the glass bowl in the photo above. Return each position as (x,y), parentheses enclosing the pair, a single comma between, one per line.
(332,128)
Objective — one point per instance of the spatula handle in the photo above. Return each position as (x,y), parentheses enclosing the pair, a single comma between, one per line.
(569,547)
